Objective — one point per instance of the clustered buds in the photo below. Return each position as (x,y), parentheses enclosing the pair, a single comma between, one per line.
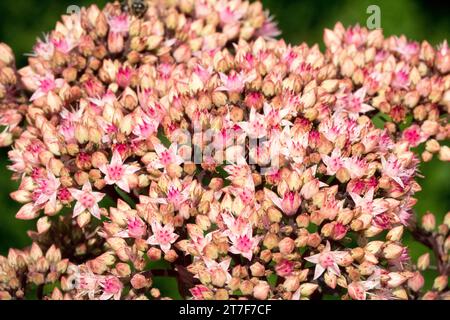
(12,102)
(252,169)
(405,81)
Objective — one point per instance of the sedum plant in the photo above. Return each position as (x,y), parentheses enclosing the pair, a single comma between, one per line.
(188,144)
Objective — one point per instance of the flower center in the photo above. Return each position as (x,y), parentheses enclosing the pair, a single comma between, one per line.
(163,236)
(87,200)
(166,158)
(115,172)
(326,260)
(244,244)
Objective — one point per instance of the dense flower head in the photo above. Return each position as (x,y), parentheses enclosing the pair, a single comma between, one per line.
(191,137)
(12,102)
(407,82)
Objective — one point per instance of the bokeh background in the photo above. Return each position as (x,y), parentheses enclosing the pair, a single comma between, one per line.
(300,20)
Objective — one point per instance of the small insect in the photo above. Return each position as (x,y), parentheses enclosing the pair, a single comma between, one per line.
(136,7)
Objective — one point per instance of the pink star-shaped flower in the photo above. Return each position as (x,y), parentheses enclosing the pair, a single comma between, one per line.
(326,260)
(368,204)
(87,200)
(244,243)
(117,172)
(162,236)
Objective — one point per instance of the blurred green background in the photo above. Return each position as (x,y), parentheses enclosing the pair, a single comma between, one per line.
(300,20)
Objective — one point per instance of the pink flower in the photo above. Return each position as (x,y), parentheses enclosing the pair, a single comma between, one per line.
(244,243)
(235,82)
(357,291)
(234,225)
(166,156)
(47,190)
(230,12)
(44,48)
(394,169)
(401,79)
(354,102)
(112,288)
(136,228)
(87,283)
(269,29)
(119,24)
(124,76)
(199,291)
(284,268)
(333,162)
(413,135)
(45,85)
(117,172)
(327,260)
(355,35)
(65,44)
(256,127)
(223,266)
(356,167)
(289,204)
(199,242)
(311,188)
(145,128)
(162,236)
(406,48)
(368,204)
(177,195)
(87,200)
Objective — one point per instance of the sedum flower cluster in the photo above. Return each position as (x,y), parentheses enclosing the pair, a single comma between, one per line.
(189,143)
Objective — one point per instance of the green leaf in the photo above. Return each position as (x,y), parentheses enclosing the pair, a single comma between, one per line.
(168,287)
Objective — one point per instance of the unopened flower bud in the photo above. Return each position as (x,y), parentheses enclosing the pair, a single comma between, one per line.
(286,246)
(261,290)
(440,283)
(429,222)
(423,262)
(416,282)
(257,269)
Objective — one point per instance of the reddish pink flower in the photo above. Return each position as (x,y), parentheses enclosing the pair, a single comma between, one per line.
(112,288)
(413,135)
(284,268)
(199,292)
